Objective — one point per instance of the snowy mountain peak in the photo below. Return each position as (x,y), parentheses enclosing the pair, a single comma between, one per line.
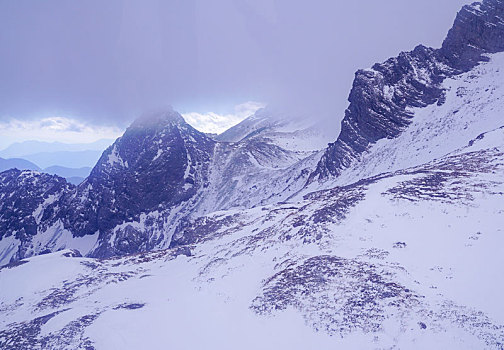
(159,163)
(290,132)
(150,139)
(256,123)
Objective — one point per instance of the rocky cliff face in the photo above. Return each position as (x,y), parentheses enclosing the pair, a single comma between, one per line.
(22,196)
(159,162)
(382,97)
(478,30)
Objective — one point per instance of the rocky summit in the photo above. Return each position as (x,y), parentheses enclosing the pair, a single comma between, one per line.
(382,97)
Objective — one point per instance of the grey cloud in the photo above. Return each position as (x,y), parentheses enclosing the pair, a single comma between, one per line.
(107,61)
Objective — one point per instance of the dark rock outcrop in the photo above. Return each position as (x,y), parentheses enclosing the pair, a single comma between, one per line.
(381,97)
(478,30)
(22,192)
(159,162)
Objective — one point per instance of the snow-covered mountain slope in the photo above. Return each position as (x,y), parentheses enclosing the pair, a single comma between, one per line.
(474,104)
(264,159)
(157,176)
(409,259)
(383,99)
(292,133)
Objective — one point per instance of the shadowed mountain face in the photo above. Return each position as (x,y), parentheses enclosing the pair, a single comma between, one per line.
(159,162)
(381,98)
(21,193)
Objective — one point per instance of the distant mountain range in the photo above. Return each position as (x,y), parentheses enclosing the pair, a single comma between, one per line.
(48,154)
(73,175)
(18,163)
(68,159)
(21,149)
(71,161)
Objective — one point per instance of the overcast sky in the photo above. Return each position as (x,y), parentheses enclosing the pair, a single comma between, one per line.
(98,64)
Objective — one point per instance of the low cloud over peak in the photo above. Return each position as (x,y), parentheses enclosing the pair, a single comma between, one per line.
(108,62)
(215,123)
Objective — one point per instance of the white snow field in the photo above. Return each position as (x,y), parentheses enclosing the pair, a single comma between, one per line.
(408,260)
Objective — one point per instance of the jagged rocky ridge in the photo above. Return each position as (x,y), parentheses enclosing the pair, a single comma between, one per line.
(21,194)
(382,97)
(150,183)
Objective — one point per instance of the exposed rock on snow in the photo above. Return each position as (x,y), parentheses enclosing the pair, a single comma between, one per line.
(382,97)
